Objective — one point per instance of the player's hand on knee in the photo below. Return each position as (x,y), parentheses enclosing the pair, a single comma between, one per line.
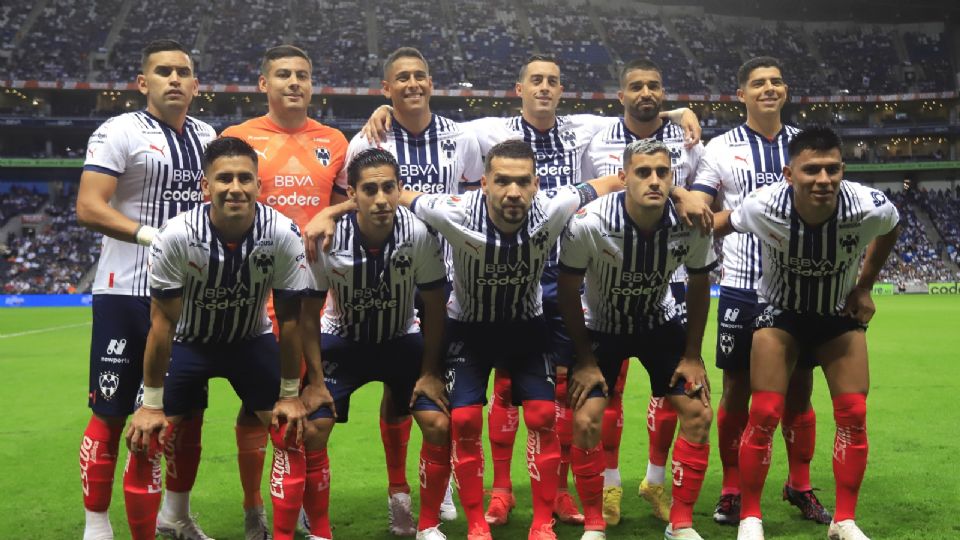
(292,411)
(859,305)
(431,386)
(315,396)
(378,125)
(694,373)
(586,377)
(145,423)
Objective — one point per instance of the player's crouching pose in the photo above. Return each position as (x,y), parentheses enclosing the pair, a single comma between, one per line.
(379,257)
(814,229)
(627,245)
(211,270)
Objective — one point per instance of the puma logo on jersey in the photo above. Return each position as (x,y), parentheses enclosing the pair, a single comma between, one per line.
(198,268)
(473,247)
(158,149)
(260,153)
(342,275)
(741,158)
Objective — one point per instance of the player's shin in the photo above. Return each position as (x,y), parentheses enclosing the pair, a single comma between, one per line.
(251,451)
(799,434)
(287,477)
(98,461)
(503,420)
(543,458)
(434,478)
(466,427)
(181,450)
(395,437)
(564,428)
(661,426)
(766,409)
(730,426)
(142,478)
(316,493)
(689,466)
(849,451)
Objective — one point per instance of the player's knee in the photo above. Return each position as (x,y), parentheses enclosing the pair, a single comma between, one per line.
(112,421)
(850,409)
(316,433)
(539,415)
(587,425)
(766,409)
(467,422)
(736,390)
(502,396)
(695,421)
(435,426)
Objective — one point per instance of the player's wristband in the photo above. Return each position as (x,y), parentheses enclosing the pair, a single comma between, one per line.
(153,397)
(145,234)
(289,388)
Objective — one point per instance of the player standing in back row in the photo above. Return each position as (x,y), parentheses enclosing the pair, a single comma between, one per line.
(142,168)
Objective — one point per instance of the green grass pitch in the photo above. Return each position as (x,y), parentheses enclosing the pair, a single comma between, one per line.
(911,490)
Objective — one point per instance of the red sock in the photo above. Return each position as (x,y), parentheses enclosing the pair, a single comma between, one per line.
(730,426)
(251,449)
(287,478)
(434,478)
(849,451)
(503,420)
(182,453)
(800,434)
(395,438)
(766,409)
(689,467)
(142,478)
(543,458)
(661,426)
(588,476)
(612,431)
(466,427)
(98,461)
(564,428)
(316,493)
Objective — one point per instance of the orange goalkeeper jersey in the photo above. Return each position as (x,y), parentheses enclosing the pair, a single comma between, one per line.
(297,167)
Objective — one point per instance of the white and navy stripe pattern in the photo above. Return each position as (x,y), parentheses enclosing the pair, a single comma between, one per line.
(496,275)
(158,172)
(225,288)
(370,293)
(734,164)
(812,269)
(628,271)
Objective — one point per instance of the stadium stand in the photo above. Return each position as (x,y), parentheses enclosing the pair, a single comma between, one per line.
(860,61)
(421,24)
(259,22)
(568,34)
(336,40)
(929,53)
(917,259)
(494,48)
(12,17)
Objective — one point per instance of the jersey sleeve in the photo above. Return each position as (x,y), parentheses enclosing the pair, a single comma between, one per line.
(318,283)
(589,169)
(471,159)
(488,131)
(709,176)
(290,268)
(593,123)
(428,269)
(884,212)
(701,258)
(577,245)
(167,262)
(694,158)
(746,217)
(357,144)
(438,210)
(108,148)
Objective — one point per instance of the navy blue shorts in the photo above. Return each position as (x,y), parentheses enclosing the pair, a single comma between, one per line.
(348,365)
(735,313)
(520,348)
(810,330)
(120,327)
(659,350)
(679,291)
(562,346)
(251,365)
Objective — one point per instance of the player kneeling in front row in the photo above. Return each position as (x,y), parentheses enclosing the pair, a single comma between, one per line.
(628,245)
(210,271)
(370,332)
(814,229)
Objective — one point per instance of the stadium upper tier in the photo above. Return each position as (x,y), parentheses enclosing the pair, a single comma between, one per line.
(471,43)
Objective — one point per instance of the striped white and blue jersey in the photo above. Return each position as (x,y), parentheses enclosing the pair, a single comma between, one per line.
(812,269)
(605,157)
(496,276)
(158,171)
(225,286)
(734,164)
(370,291)
(627,271)
(444,158)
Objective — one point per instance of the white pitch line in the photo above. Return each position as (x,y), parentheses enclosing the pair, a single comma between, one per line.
(42,330)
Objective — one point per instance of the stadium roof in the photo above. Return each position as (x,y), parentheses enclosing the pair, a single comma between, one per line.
(874,11)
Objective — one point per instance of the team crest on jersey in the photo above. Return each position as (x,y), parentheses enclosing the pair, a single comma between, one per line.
(849,242)
(109,382)
(727,343)
(765,319)
(449,147)
(540,239)
(569,137)
(401,261)
(263,261)
(323,155)
(679,251)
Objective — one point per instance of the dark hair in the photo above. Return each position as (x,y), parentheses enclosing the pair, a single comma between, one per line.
(743,74)
(536,58)
(638,63)
(371,157)
(227,146)
(647,147)
(403,52)
(160,45)
(282,51)
(816,138)
(511,149)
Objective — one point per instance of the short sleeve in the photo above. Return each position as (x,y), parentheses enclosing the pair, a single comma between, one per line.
(108,149)
(589,168)
(701,258)
(429,271)
(167,262)
(471,159)
(695,156)
(743,218)
(488,132)
(439,210)
(709,177)
(577,245)
(886,213)
(357,144)
(319,283)
(290,268)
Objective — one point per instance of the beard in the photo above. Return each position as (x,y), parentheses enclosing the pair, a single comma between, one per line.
(645,115)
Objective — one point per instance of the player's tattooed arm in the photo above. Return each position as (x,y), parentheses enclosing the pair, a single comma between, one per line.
(379,124)
(149,420)
(687,119)
(691,367)
(430,384)
(315,393)
(322,226)
(693,210)
(859,304)
(586,374)
(95,213)
(289,408)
